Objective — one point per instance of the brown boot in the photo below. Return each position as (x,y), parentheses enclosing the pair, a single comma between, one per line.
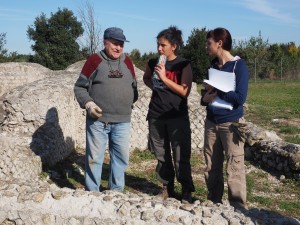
(163,193)
(167,191)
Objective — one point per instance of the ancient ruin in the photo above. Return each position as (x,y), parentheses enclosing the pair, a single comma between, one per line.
(42,124)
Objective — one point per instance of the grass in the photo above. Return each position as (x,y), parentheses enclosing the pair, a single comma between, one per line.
(276,106)
(288,206)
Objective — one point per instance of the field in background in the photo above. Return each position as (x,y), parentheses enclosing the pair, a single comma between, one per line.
(275,105)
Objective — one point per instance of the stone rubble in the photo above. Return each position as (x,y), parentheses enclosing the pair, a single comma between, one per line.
(38,202)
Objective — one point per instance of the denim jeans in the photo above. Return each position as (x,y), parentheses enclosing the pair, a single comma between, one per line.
(98,134)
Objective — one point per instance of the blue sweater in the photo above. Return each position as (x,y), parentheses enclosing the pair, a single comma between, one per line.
(237,98)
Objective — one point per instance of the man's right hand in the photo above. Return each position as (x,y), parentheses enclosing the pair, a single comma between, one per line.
(93,110)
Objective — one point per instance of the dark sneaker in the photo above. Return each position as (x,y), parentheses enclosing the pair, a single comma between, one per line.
(187,198)
(170,190)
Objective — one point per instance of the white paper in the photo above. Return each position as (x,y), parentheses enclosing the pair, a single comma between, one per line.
(220,103)
(223,81)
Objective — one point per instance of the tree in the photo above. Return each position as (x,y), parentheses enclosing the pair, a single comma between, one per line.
(141,61)
(55,39)
(294,60)
(255,53)
(196,52)
(277,61)
(3,51)
(293,50)
(92,39)
(135,56)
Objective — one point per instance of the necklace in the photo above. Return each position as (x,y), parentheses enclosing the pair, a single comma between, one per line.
(114,73)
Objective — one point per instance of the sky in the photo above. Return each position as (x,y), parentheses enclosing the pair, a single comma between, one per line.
(278,21)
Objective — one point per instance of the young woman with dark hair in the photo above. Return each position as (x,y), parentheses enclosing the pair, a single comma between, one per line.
(169,126)
(220,139)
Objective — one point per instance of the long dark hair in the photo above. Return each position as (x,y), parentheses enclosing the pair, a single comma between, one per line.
(223,35)
(173,35)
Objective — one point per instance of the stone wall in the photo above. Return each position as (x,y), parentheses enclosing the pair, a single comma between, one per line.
(266,150)
(15,74)
(279,158)
(37,202)
(43,114)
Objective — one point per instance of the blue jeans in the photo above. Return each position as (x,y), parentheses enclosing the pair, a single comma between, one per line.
(98,134)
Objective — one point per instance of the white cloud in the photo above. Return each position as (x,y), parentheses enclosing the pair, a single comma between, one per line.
(268,8)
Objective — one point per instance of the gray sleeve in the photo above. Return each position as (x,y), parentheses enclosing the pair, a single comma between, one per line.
(81,91)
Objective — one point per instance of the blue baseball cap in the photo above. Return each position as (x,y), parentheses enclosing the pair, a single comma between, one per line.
(114,33)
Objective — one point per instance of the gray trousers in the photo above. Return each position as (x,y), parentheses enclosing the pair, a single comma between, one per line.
(170,141)
(220,139)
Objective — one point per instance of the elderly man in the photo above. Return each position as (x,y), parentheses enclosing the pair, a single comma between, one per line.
(107,88)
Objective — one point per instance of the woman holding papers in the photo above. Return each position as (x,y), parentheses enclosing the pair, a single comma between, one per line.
(225,92)
(170,78)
